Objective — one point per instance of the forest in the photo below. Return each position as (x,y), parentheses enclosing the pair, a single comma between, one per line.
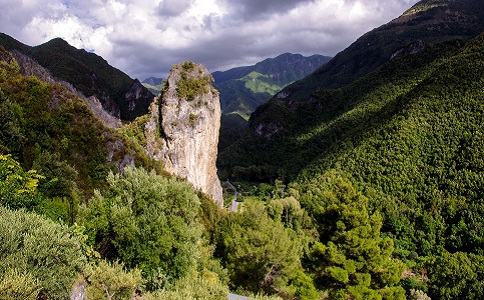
(373,190)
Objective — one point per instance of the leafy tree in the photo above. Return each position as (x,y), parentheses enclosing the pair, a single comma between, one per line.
(351,259)
(147,221)
(260,254)
(59,184)
(18,189)
(304,286)
(11,131)
(288,211)
(457,275)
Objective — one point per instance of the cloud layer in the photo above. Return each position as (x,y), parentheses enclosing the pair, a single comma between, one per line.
(146,37)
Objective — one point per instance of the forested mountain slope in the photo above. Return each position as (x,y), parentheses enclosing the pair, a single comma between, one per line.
(408,137)
(89,73)
(243,89)
(43,125)
(295,123)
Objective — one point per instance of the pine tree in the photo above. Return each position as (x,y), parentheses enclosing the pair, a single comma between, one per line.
(354,261)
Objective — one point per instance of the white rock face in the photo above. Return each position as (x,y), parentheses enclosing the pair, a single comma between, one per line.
(188,113)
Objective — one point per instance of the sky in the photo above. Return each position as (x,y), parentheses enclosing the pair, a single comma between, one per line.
(145,38)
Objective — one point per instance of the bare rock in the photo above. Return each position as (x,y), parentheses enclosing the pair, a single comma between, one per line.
(188,114)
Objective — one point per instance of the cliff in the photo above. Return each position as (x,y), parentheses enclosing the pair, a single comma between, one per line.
(186,117)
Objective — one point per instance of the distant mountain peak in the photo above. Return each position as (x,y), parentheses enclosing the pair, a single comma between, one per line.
(243,89)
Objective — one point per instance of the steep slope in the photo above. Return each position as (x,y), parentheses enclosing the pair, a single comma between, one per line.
(43,124)
(284,122)
(428,21)
(243,89)
(408,135)
(89,73)
(419,157)
(183,130)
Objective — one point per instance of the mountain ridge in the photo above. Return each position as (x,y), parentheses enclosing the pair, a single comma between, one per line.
(427,20)
(89,73)
(243,89)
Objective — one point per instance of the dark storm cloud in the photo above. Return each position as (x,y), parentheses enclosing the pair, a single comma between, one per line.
(255,9)
(146,37)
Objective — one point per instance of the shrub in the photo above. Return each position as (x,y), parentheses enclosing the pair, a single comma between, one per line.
(39,253)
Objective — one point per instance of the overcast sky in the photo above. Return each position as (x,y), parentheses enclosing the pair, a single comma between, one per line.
(146,37)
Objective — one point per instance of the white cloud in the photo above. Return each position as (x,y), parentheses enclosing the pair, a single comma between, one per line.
(145,37)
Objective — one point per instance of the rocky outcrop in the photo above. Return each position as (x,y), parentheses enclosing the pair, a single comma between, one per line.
(137,99)
(184,128)
(29,67)
(414,47)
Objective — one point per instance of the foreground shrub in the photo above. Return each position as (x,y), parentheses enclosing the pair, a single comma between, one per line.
(37,256)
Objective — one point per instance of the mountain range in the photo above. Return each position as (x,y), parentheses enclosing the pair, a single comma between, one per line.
(425,29)
(243,89)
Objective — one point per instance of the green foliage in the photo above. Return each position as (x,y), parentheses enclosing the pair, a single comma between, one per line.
(147,221)
(111,281)
(304,286)
(192,83)
(204,286)
(351,259)
(18,285)
(45,118)
(192,119)
(44,255)
(259,253)
(11,129)
(457,275)
(18,189)
(288,211)
(59,184)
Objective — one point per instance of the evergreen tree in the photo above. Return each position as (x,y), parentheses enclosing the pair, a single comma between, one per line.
(260,254)
(351,259)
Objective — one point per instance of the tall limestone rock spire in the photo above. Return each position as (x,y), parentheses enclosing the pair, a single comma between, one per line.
(188,113)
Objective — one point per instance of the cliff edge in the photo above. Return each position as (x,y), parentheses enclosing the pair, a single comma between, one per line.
(187,114)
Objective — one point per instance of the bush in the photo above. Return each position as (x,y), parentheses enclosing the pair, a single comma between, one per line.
(18,189)
(111,281)
(39,253)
